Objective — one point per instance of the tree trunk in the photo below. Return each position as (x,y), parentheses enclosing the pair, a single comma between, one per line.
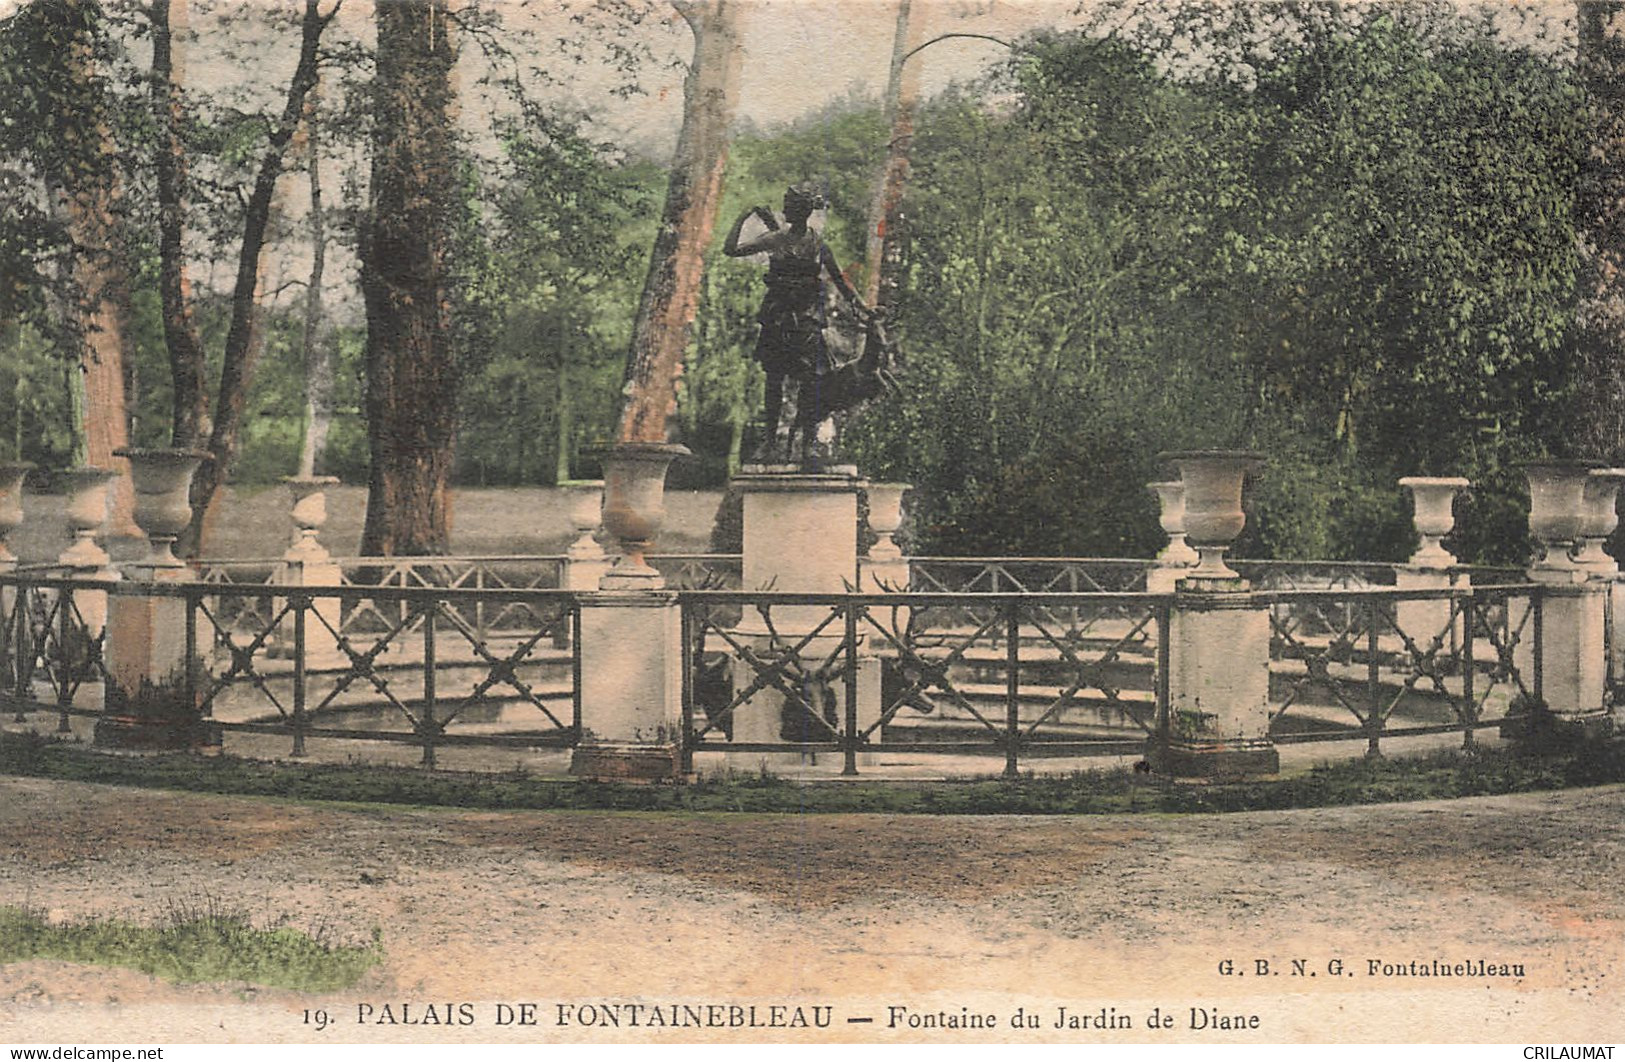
(412,374)
(672,289)
(83,179)
(1600,219)
(242,336)
(561,405)
(885,240)
(316,336)
(190,402)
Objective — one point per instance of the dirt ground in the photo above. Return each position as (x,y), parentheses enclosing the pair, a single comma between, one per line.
(909,921)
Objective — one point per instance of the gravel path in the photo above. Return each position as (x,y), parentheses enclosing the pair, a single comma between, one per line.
(915,922)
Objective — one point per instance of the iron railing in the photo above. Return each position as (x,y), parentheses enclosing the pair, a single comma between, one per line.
(1019,676)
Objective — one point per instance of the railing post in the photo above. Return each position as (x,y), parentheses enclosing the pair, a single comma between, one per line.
(1012,688)
(301,604)
(427,723)
(1163,717)
(1469,669)
(1373,678)
(69,660)
(849,717)
(691,661)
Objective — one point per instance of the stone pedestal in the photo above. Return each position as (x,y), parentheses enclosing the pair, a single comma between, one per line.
(1573,657)
(1424,621)
(631,688)
(1218,685)
(154,690)
(801,536)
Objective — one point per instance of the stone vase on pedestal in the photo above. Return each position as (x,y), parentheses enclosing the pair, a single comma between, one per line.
(1428,621)
(307,563)
(1557,515)
(1219,637)
(634,509)
(87,512)
(631,635)
(154,689)
(1572,647)
(1600,500)
(88,491)
(884,567)
(1176,557)
(1213,512)
(585,561)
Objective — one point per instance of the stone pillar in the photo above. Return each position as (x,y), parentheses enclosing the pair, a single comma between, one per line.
(1219,636)
(1600,501)
(1572,652)
(800,536)
(1430,566)
(585,561)
(154,692)
(308,564)
(1218,685)
(631,687)
(631,644)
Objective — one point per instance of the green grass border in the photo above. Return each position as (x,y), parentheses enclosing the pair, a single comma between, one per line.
(1556,764)
(194,944)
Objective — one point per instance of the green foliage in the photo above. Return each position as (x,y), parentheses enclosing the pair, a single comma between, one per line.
(202,943)
(559,286)
(1350,248)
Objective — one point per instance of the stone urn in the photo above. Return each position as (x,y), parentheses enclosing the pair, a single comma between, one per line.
(1601,518)
(12,475)
(162,481)
(586,508)
(1171,499)
(1213,512)
(309,514)
(1434,500)
(1557,509)
(885,518)
(634,509)
(87,512)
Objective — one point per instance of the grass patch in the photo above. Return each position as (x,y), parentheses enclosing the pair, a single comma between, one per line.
(194,944)
(1441,775)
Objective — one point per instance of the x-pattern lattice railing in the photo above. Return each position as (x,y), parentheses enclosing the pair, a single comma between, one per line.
(49,638)
(804,653)
(1370,663)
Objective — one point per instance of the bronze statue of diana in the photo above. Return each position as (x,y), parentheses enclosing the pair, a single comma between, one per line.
(800,326)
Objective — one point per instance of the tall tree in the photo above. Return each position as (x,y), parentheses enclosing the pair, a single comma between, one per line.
(885,211)
(316,334)
(671,292)
(61,45)
(242,343)
(406,243)
(187,362)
